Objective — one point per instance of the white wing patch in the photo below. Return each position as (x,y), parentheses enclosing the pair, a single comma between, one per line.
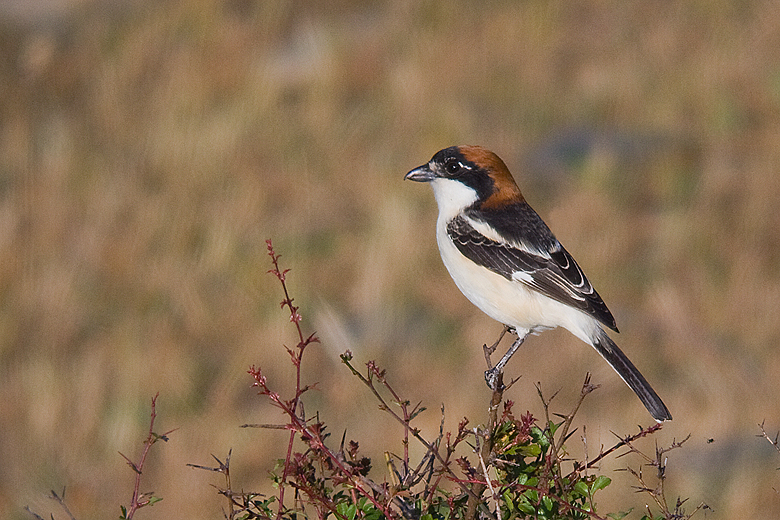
(489,232)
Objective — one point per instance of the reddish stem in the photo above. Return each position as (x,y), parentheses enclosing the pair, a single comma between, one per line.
(151,438)
(297,424)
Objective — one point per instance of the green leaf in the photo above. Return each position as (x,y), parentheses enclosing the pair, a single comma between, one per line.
(600,483)
(581,488)
(373,514)
(153,500)
(532,450)
(370,512)
(347,510)
(540,437)
(509,499)
(525,506)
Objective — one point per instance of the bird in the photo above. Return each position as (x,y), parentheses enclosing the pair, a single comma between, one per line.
(507,262)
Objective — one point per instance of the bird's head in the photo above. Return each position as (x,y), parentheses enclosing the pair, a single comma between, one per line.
(462,176)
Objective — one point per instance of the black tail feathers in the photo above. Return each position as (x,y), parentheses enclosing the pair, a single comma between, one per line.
(629,373)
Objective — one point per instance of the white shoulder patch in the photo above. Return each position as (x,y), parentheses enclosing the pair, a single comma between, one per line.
(492,234)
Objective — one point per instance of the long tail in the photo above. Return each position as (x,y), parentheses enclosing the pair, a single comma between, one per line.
(629,373)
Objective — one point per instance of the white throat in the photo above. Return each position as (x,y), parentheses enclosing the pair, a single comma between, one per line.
(452,197)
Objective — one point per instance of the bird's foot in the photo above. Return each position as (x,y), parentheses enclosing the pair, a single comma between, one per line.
(494,377)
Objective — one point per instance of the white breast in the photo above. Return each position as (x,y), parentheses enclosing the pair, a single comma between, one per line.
(508,301)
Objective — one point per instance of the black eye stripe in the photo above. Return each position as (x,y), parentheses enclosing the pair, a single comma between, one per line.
(453,166)
(449,162)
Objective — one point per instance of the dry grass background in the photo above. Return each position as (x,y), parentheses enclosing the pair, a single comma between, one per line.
(148,148)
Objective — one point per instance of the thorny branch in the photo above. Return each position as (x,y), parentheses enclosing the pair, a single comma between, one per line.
(375,373)
(140,500)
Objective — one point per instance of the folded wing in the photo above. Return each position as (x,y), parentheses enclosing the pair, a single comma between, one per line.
(544,266)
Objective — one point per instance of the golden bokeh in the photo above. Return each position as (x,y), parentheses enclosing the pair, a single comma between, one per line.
(148,149)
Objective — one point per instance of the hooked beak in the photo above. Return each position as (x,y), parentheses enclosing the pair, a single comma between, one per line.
(421,174)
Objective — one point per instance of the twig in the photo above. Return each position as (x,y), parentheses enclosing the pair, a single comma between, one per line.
(374,372)
(773,442)
(296,357)
(140,500)
(224,468)
(587,388)
(658,493)
(311,435)
(57,498)
(61,502)
(492,348)
(475,493)
(485,472)
(643,432)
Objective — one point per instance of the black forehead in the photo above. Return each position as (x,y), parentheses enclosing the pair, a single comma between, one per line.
(453,152)
(471,175)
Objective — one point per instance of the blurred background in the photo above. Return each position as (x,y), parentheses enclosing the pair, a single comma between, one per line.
(148,149)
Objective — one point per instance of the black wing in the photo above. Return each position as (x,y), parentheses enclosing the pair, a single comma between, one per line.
(549,269)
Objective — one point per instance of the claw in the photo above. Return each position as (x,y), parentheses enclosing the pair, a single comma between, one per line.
(494,378)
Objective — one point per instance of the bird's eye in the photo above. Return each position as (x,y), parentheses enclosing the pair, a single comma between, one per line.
(452,166)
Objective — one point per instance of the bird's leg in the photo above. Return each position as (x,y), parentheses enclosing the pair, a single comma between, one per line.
(492,348)
(491,375)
